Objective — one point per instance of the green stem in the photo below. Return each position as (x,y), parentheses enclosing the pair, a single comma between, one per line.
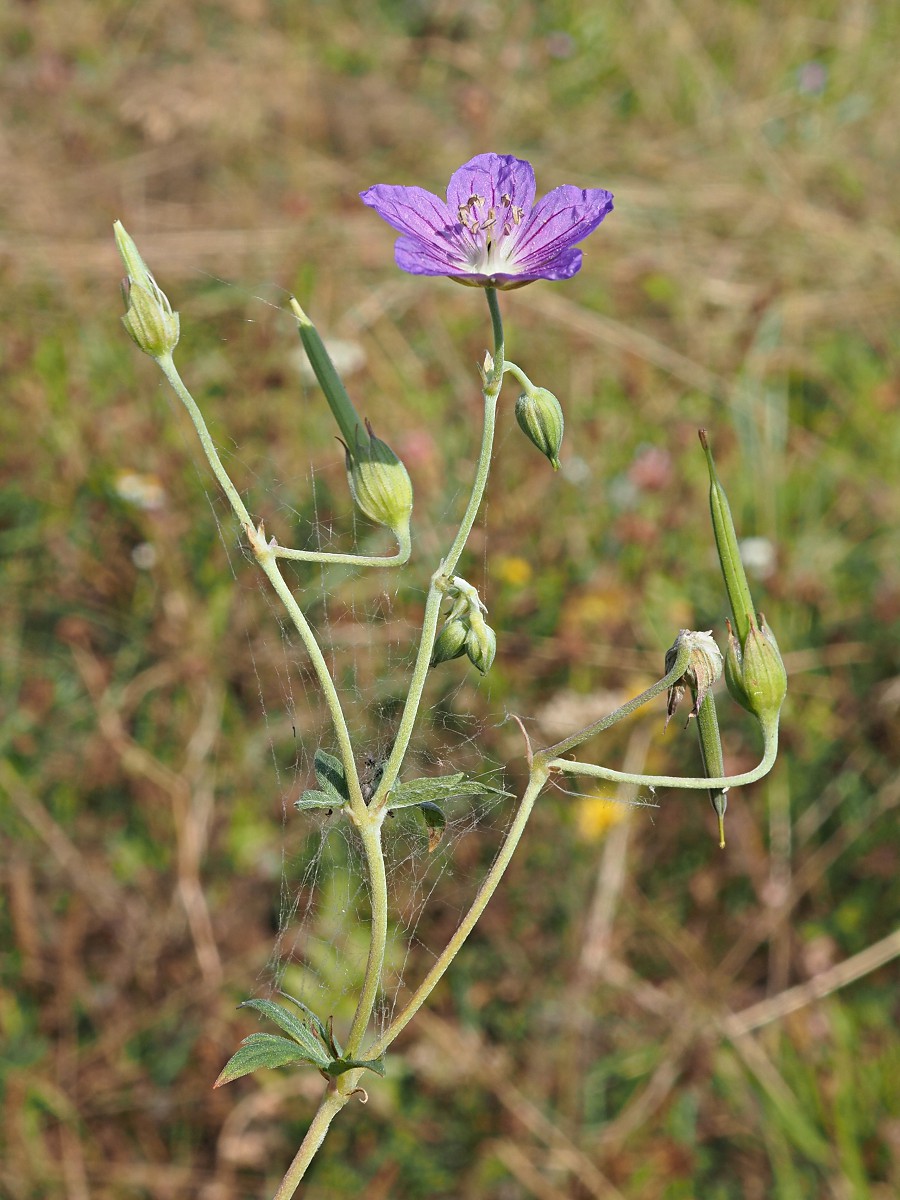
(332,1103)
(517,373)
(266,557)
(491,392)
(351,560)
(577,739)
(770,750)
(370,832)
(168,368)
(488,886)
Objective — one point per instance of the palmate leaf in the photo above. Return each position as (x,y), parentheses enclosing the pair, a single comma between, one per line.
(296,1029)
(265,1050)
(439,787)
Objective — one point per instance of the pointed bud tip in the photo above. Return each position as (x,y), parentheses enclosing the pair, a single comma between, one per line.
(540,417)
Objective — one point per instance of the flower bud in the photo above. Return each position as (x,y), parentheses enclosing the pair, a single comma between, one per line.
(450,642)
(703,669)
(481,643)
(380,484)
(149,319)
(755,674)
(540,418)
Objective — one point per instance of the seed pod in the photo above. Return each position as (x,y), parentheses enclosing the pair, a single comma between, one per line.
(755,675)
(379,483)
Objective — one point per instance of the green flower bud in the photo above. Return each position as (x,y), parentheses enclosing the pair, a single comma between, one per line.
(149,319)
(481,643)
(754,673)
(380,484)
(703,669)
(450,642)
(540,418)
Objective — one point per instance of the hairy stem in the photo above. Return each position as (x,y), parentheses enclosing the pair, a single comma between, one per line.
(350,560)
(332,1103)
(488,886)
(661,685)
(265,556)
(770,750)
(370,832)
(447,566)
(168,368)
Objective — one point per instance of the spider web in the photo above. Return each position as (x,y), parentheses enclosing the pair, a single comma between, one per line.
(320,949)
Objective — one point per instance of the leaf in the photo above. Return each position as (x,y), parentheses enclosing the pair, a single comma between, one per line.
(331,778)
(301,1033)
(438,787)
(436,821)
(263,1050)
(336,1049)
(321,1026)
(339,1065)
(314,799)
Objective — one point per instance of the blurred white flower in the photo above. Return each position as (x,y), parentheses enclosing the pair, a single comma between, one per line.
(758,556)
(143,491)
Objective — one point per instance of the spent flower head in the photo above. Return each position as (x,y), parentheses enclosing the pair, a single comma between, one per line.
(703,669)
(490,232)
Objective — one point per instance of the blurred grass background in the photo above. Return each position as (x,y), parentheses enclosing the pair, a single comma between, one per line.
(638,1014)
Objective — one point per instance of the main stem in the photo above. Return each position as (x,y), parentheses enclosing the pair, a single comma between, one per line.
(370,819)
(332,1103)
(370,831)
(491,393)
(488,886)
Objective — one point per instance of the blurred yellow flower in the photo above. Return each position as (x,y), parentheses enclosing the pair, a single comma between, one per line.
(597,814)
(514,570)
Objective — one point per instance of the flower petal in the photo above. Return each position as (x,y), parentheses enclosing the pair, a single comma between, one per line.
(560,219)
(492,177)
(426,258)
(411,210)
(563,265)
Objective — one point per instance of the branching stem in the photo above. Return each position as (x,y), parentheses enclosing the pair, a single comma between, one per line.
(491,393)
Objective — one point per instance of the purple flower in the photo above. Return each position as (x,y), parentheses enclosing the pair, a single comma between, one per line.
(490,233)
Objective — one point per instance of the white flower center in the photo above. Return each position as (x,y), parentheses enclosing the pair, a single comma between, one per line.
(487,241)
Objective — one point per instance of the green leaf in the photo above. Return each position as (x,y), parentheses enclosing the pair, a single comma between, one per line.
(331,778)
(325,1029)
(263,1050)
(301,1033)
(314,799)
(339,1065)
(436,821)
(439,787)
